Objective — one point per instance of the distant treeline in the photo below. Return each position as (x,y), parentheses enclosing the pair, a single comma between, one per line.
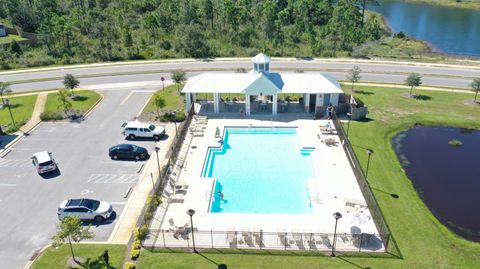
(78,31)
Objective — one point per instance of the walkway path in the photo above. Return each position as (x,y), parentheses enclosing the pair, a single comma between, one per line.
(37,111)
(128,221)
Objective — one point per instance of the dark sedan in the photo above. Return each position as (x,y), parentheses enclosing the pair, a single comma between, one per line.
(127,151)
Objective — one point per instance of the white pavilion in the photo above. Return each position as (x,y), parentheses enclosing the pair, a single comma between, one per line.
(263,92)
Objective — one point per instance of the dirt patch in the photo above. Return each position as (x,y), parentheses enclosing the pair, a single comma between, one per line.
(471,102)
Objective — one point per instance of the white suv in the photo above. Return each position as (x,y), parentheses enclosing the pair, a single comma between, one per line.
(85,209)
(44,162)
(134,129)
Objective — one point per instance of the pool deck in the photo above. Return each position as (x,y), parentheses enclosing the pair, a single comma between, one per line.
(334,190)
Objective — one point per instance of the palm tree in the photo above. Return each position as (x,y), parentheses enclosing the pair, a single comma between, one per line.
(413,80)
(475,87)
(4,89)
(63,101)
(159,103)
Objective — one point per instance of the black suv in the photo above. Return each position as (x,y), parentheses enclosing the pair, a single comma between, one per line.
(127,151)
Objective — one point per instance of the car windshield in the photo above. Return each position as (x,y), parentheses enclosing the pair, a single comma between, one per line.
(91,204)
(46,163)
(151,127)
(134,148)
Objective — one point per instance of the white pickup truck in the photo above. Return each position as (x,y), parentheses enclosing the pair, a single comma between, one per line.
(134,129)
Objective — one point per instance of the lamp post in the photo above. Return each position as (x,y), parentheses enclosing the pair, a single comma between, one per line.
(369,152)
(7,102)
(337,216)
(348,124)
(158,162)
(191,212)
(163,83)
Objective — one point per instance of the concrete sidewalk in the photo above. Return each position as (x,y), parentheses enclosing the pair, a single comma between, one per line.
(128,220)
(37,111)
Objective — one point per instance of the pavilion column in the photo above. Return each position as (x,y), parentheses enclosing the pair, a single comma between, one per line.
(194,97)
(307,102)
(318,103)
(215,102)
(247,104)
(189,101)
(274,107)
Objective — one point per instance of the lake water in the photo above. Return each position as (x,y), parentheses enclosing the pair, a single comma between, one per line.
(446,177)
(448,30)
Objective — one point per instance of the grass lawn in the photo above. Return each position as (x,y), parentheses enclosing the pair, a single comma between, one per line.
(57,258)
(22,108)
(87,100)
(423,242)
(10,38)
(173,100)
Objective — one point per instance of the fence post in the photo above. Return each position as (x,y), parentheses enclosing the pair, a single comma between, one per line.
(285,243)
(211,237)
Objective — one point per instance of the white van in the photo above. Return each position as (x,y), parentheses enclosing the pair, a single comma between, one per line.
(134,129)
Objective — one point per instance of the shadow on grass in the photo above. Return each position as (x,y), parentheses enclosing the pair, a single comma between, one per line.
(352,263)
(365,120)
(393,195)
(363,92)
(421,97)
(80,98)
(97,263)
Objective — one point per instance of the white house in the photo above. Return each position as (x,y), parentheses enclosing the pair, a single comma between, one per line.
(261,89)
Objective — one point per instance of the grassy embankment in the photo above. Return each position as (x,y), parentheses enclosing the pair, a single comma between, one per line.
(422,240)
(10,38)
(57,258)
(22,108)
(86,100)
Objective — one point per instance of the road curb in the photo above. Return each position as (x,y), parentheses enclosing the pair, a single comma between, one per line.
(90,110)
(38,254)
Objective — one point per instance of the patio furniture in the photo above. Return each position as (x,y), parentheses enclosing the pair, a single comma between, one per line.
(282,236)
(176,198)
(326,240)
(232,239)
(172,227)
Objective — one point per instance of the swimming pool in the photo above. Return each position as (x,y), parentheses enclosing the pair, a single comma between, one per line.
(260,170)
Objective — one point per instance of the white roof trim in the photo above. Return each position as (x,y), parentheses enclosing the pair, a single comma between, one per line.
(267,83)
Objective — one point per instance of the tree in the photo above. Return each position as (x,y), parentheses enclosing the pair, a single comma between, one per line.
(159,103)
(70,82)
(475,87)
(4,89)
(71,229)
(413,80)
(354,76)
(179,76)
(63,101)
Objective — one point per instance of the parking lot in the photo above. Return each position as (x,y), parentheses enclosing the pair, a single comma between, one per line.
(29,201)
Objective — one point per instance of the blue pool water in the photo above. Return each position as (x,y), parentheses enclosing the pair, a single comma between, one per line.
(260,170)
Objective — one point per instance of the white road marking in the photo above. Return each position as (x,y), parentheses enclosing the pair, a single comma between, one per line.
(7,185)
(126,98)
(112,179)
(85,191)
(11,163)
(118,203)
(147,91)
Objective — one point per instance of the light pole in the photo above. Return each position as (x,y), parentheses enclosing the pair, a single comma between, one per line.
(163,83)
(7,102)
(337,216)
(369,152)
(348,124)
(191,212)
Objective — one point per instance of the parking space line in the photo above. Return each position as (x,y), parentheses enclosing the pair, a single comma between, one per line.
(126,98)
(7,185)
(112,179)
(10,163)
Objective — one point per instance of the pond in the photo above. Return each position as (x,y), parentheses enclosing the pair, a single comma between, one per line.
(447,178)
(446,29)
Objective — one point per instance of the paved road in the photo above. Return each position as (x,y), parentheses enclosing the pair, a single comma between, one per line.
(436,76)
(29,201)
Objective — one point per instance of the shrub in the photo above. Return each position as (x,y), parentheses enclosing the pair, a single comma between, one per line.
(11,129)
(179,117)
(141,232)
(455,143)
(360,103)
(129,265)
(136,244)
(51,116)
(134,253)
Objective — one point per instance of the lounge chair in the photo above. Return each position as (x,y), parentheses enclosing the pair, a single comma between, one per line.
(298,238)
(282,236)
(176,198)
(326,240)
(232,239)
